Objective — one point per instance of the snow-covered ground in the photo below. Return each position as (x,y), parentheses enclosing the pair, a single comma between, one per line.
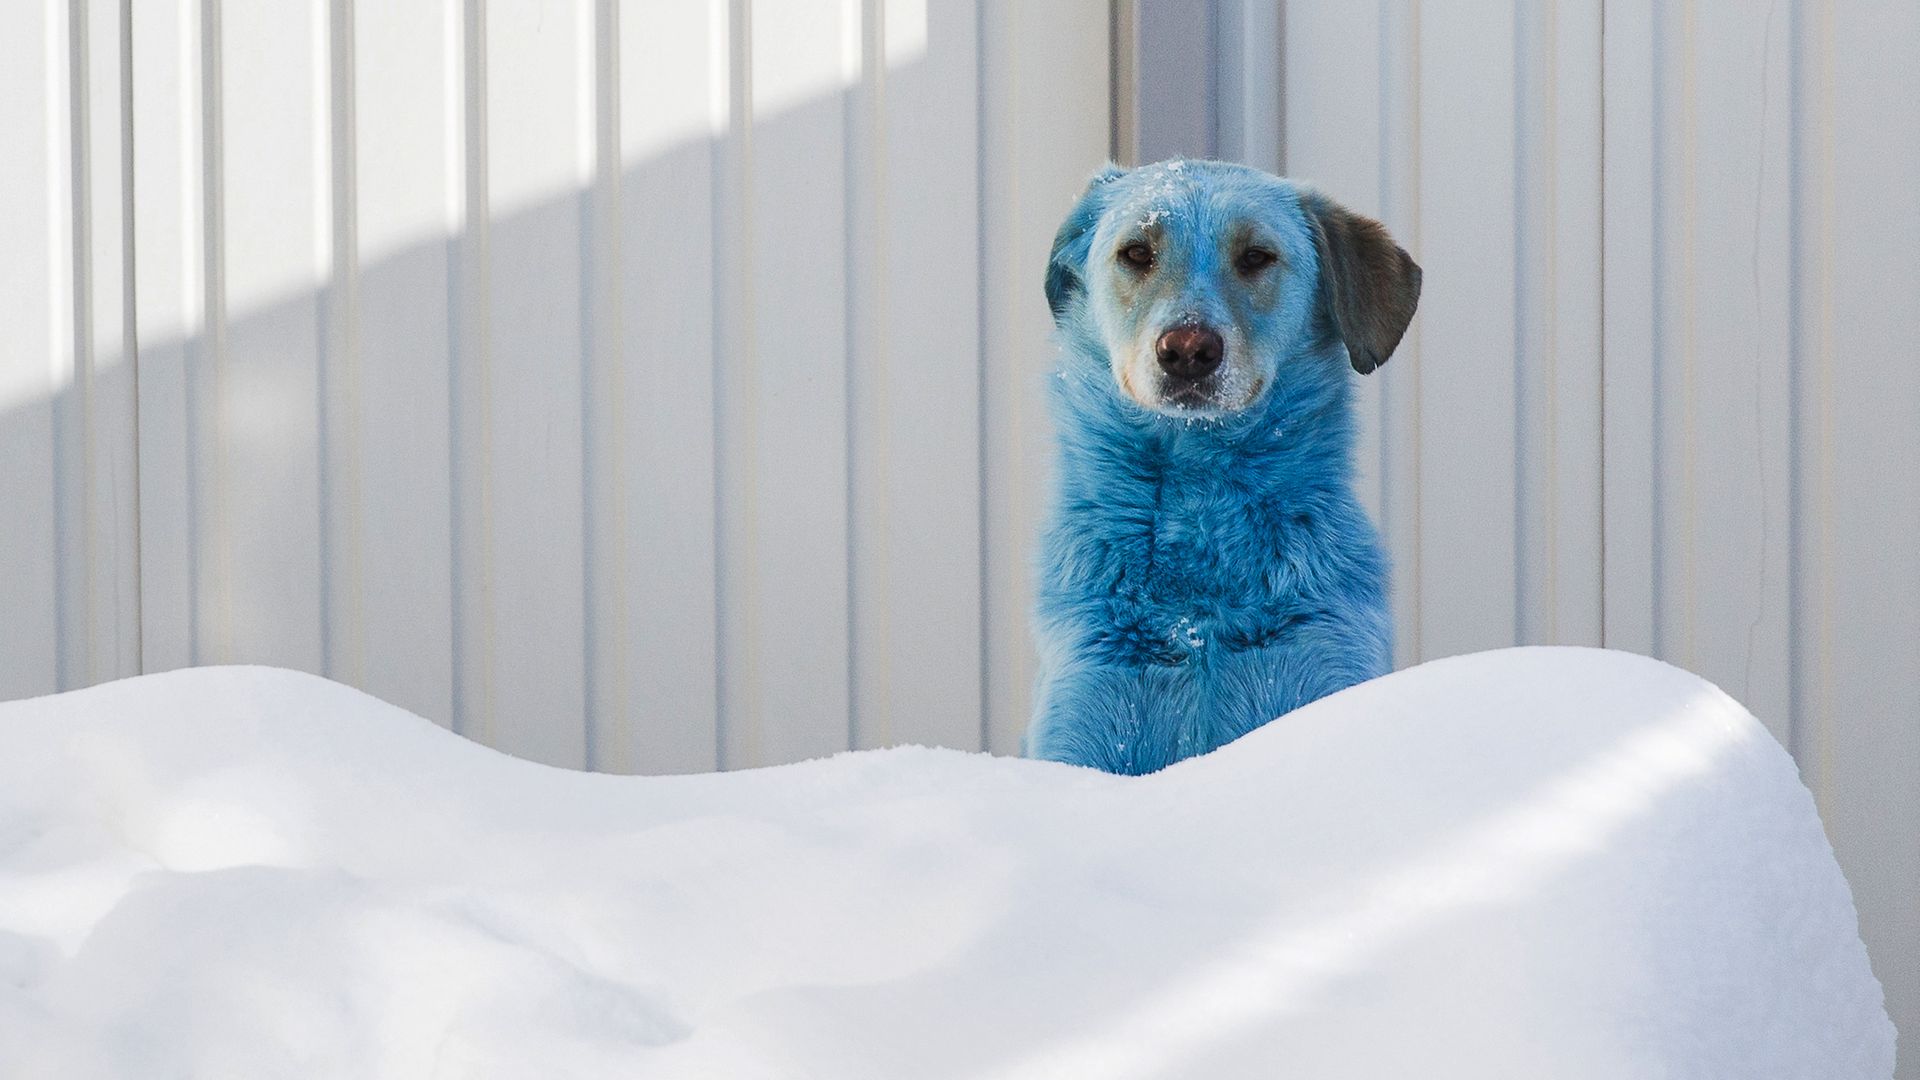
(1530,863)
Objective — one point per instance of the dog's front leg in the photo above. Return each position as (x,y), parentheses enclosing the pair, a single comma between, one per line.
(1129,719)
(1316,656)
(1140,718)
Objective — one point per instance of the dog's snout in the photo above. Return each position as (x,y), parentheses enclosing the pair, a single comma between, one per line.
(1190,352)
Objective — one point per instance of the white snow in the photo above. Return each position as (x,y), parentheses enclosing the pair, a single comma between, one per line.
(1529,863)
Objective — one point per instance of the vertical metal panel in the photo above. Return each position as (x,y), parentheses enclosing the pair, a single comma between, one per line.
(1175,63)
(68,573)
(229,329)
(784,629)
(62,293)
(1860,438)
(270,248)
(1723,300)
(915,385)
(1632,351)
(1557,331)
(37,358)
(398,197)
(1044,115)
(1248,46)
(1469,510)
(1335,103)
(1575,614)
(732,164)
(870,377)
(207,550)
(93,521)
(525,532)
(652,408)
(104,631)
(170,304)
(468,562)
(1469,514)
(1400,458)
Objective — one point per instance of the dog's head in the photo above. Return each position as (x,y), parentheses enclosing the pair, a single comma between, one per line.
(1200,280)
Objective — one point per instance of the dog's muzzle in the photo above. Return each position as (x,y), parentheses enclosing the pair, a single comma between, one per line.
(1190,355)
(1190,352)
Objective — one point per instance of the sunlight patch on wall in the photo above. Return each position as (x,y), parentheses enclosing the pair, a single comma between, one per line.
(36,273)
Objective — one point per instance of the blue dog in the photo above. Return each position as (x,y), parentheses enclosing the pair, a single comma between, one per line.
(1207,568)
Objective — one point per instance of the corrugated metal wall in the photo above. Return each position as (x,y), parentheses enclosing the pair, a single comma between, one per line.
(1664,390)
(69,603)
(641,385)
(655,385)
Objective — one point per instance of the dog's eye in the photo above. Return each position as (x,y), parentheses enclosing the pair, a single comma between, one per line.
(1138,256)
(1254,260)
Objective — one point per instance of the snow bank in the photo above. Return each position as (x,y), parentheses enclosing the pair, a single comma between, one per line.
(1541,862)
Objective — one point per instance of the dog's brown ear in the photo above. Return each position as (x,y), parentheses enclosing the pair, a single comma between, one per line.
(1370,284)
(1067,262)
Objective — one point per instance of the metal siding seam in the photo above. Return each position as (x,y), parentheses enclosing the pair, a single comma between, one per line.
(341,494)
(73,471)
(472,677)
(1517,174)
(130,324)
(1689,326)
(601,327)
(211,532)
(733,335)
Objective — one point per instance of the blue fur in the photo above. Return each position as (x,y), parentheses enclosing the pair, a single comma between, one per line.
(1199,577)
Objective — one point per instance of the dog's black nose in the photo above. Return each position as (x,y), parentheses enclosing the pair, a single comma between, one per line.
(1190,352)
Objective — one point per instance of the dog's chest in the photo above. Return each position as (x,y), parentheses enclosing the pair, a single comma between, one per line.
(1177,570)
(1205,545)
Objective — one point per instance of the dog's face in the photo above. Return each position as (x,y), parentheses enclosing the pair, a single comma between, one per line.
(1200,280)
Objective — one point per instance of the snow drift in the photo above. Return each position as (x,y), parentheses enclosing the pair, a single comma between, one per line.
(1539,862)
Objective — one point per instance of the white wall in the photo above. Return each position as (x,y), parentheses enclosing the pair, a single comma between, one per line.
(1664,390)
(646,386)
(654,385)
(69,604)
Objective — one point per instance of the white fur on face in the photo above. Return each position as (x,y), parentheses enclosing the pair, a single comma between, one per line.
(1196,221)
(1142,307)
(1236,384)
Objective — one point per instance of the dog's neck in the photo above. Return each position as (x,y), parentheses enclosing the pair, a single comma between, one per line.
(1295,444)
